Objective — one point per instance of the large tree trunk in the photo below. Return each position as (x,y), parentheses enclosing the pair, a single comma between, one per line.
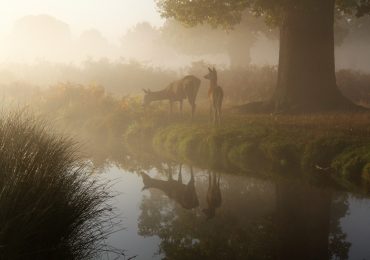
(306,77)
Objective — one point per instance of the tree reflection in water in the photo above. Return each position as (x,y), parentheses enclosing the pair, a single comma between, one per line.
(287,219)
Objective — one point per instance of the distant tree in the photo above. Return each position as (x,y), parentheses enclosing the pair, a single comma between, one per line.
(92,43)
(205,39)
(40,36)
(306,78)
(144,42)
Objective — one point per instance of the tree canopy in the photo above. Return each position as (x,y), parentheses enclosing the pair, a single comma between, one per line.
(228,13)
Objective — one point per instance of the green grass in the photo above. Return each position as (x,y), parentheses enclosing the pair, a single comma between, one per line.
(335,143)
(51,208)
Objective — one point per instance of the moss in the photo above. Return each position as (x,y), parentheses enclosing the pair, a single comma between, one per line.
(322,151)
(247,155)
(262,147)
(282,152)
(366,173)
(353,164)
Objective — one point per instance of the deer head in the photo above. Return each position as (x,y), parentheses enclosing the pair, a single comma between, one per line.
(212,74)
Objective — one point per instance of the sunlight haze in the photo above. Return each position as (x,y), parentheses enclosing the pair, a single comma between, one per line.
(111,17)
(185,129)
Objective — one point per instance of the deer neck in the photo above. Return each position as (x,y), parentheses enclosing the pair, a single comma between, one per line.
(213,84)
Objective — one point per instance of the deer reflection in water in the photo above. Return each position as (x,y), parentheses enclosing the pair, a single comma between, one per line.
(183,194)
(214,198)
(186,195)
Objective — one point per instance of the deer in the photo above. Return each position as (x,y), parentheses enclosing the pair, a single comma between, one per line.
(214,198)
(185,195)
(216,95)
(185,88)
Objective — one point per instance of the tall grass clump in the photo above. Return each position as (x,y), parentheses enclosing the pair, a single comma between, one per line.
(50,205)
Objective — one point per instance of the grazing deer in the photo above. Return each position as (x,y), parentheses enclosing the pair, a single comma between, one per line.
(214,198)
(183,194)
(186,88)
(216,95)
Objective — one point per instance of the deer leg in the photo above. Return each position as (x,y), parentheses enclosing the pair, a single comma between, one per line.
(215,119)
(214,179)
(218,116)
(169,172)
(191,173)
(192,104)
(193,107)
(179,180)
(220,110)
(171,106)
(191,181)
(181,106)
(214,114)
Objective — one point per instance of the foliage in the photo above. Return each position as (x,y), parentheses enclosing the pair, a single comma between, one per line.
(228,13)
(120,77)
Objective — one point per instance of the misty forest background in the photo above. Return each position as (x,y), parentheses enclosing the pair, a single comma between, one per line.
(152,57)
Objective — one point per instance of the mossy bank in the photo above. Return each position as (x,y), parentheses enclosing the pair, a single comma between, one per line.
(333,145)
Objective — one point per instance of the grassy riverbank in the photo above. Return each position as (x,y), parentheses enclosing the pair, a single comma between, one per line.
(337,145)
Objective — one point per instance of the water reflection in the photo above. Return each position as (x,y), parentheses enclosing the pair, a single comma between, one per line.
(214,197)
(284,219)
(183,194)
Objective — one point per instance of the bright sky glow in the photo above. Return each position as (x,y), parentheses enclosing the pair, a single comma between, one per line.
(111,17)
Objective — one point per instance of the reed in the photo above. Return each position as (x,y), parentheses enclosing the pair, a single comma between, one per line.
(50,205)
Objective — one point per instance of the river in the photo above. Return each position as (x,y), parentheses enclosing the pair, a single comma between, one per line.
(216,215)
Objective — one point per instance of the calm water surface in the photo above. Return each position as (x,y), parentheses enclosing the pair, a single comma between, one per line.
(222,216)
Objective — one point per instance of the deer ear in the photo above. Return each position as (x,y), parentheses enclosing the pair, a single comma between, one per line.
(210,70)
(214,70)
(145,91)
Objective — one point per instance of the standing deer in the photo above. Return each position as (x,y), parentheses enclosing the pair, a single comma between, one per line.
(186,88)
(183,194)
(214,198)
(216,95)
